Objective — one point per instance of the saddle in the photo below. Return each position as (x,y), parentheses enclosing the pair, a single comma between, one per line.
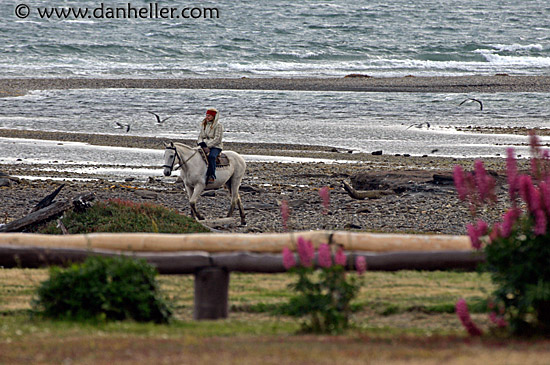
(221,161)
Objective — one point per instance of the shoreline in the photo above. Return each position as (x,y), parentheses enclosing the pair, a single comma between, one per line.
(357,83)
(387,162)
(416,204)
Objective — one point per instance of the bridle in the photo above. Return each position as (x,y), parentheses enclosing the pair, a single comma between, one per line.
(181,161)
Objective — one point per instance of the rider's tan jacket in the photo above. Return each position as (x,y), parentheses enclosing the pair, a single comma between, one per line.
(213,132)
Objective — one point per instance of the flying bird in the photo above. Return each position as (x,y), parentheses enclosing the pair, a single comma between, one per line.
(419,125)
(159,121)
(470,100)
(122,126)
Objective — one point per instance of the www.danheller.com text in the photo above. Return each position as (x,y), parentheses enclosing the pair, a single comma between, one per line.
(126,11)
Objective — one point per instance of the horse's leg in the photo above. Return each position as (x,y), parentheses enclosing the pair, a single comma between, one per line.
(232,207)
(193,201)
(236,200)
(241,209)
(189,191)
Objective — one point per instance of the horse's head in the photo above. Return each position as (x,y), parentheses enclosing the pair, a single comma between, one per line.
(169,158)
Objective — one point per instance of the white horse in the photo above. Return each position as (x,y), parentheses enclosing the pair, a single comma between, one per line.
(193,172)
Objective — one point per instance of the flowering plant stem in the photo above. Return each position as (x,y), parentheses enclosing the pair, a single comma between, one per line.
(517,249)
(325,296)
(324,293)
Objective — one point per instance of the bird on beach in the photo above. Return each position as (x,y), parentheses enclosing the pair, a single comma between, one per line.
(470,100)
(159,121)
(122,126)
(420,125)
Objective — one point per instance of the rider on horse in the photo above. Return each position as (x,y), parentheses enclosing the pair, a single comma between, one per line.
(210,139)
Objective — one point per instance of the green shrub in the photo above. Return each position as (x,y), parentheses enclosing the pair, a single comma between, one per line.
(103,288)
(324,295)
(117,215)
(516,249)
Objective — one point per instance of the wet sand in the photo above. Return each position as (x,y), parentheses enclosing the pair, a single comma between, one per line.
(364,83)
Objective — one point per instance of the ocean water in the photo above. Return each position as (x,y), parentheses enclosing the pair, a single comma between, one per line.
(275,38)
(362,122)
(267,38)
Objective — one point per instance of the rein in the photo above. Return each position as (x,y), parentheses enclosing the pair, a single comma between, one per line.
(179,158)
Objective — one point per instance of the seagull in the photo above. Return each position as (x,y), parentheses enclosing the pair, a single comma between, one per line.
(419,125)
(159,121)
(121,126)
(472,100)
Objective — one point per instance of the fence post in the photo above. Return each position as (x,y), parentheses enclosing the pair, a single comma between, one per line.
(211,293)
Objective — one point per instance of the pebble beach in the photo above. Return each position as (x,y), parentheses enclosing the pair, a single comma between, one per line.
(413,202)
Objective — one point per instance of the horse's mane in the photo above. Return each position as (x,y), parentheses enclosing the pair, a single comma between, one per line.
(181,145)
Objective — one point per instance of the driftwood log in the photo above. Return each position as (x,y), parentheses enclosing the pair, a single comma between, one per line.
(49,212)
(47,200)
(177,263)
(365,194)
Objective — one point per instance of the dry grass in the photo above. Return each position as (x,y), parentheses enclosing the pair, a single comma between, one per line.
(250,349)
(414,329)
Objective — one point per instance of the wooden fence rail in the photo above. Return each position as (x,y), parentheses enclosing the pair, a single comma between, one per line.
(228,242)
(212,257)
(180,263)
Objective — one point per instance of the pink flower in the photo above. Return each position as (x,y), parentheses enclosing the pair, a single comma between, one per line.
(485,183)
(544,189)
(540,222)
(288,258)
(529,193)
(512,173)
(496,232)
(470,184)
(480,229)
(306,252)
(285,213)
(460,184)
(325,256)
(464,316)
(360,264)
(498,320)
(324,193)
(340,257)
(474,237)
(508,221)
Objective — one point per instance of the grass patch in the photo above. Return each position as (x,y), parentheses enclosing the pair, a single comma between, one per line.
(397,320)
(117,215)
(385,297)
